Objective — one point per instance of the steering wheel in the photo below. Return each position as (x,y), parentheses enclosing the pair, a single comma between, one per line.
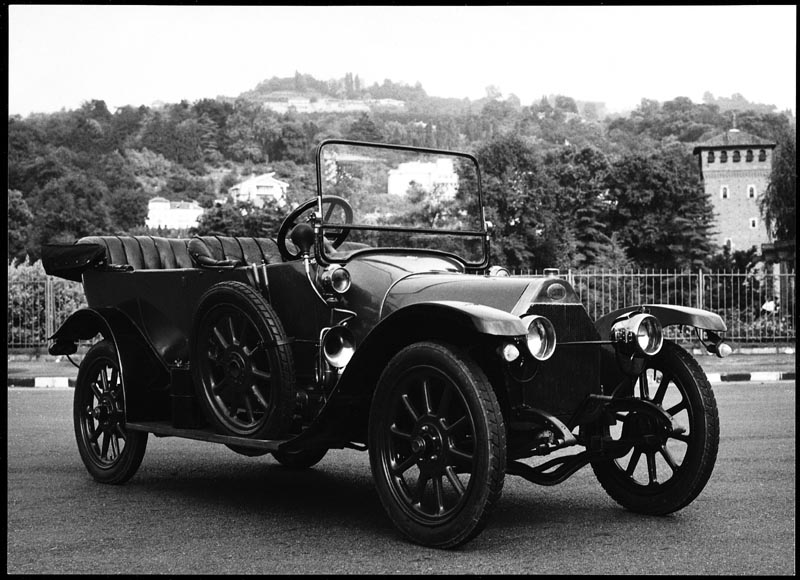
(330,204)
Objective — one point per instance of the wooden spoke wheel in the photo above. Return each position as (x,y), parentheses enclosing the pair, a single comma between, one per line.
(664,471)
(437,444)
(110,452)
(242,366)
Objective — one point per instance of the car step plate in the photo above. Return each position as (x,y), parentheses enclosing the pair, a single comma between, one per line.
(165,429)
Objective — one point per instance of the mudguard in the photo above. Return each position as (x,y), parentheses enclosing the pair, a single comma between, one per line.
(145,378)
(667,315)
(477,317)
(344,416)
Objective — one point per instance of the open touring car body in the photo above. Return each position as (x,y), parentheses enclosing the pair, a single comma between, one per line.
(375,321)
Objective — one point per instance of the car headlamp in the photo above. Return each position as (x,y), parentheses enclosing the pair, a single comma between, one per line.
(336,279)
(638,334)
(541,339)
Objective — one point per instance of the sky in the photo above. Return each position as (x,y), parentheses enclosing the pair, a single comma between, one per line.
(61,56)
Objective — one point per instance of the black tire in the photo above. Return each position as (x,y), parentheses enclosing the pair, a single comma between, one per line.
(299,459)
(241,363)
(110,452)
(435,418)
(661,477)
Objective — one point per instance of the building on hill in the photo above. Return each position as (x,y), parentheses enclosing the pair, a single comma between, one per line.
(258,188)
(178,215)
(736,168)
(428,176)
(283,103)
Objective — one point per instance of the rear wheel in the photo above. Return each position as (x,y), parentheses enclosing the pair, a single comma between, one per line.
(436,445)
(110,452)
(242,363)
(662,473)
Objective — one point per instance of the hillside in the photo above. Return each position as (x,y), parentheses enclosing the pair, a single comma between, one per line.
(92,170)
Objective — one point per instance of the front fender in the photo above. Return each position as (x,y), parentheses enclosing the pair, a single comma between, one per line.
(668,315)
(142,372)
(344,417)
(477,317)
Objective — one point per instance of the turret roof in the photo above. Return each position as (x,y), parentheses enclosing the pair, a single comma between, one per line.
(734,138)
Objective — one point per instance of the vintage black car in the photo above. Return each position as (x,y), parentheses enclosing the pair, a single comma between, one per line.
(374,321)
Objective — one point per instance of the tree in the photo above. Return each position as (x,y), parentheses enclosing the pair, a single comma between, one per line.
(579,176)
(660,210)
(19,220)
(566,104)
(242,218)
(521,203)
(294,145)
(778,205)
(69,208)
(364,129)
(128,209)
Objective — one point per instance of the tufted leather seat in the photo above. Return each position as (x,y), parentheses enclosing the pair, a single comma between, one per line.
(143,252)
(223,251)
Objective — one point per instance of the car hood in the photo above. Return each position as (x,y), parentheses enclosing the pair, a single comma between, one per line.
(384,284)
(509,294)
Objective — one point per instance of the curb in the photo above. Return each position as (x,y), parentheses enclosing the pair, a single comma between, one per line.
(757,376)
(66,382)
(43,382)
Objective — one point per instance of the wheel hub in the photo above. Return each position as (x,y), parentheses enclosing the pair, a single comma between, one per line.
(429,443)
(105,413)
(644,430)
(237,367)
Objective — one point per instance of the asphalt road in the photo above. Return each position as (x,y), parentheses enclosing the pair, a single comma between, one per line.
(197,507)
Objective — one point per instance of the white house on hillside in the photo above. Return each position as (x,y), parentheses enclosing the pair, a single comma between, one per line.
(164,213)
(258,188)
(427,175)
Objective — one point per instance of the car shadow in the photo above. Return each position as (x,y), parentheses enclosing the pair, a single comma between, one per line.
(329,493)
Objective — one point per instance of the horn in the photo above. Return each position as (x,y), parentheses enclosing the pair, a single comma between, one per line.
(338,346)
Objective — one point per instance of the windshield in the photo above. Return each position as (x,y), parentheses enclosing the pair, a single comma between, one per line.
(401,198)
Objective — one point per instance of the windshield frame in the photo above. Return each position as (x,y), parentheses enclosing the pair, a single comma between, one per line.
(319,226)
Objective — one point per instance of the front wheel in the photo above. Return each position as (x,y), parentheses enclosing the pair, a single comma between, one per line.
(662,474)
(436,444)
(110,452)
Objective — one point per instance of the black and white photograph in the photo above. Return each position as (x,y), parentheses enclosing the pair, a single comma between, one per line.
(401,289)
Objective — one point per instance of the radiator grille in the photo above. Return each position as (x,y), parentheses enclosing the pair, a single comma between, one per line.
(571,321)
(573,372)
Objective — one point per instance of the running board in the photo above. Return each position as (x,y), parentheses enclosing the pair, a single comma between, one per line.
(165,429)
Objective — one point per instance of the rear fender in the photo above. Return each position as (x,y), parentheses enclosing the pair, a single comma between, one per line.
(144,376)
(667,315)
(344,417)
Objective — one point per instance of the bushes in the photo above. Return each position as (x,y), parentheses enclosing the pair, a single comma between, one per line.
(37,303)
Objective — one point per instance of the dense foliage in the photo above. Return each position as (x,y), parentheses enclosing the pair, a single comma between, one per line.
(565,185)
(779,204)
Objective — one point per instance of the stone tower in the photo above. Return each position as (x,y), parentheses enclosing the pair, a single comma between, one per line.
(736,167)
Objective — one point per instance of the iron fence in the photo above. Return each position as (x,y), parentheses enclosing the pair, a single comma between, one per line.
(36,308)
(757,308)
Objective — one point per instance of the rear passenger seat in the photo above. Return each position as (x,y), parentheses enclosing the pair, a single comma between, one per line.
(156,253)
(222,251)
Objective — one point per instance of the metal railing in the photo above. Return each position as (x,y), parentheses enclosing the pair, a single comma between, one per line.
(36,308)
(757,308)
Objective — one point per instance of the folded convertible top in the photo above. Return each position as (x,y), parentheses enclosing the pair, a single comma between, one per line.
(69,261)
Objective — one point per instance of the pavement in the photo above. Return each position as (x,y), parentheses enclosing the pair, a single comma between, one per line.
(746,364)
